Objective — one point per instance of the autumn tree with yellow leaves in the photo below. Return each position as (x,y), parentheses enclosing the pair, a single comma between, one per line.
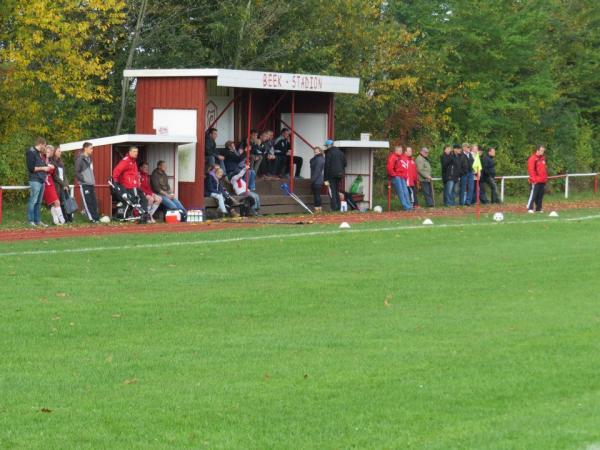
(55,56)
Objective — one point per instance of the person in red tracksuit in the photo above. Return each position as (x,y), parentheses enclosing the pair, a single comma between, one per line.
(538,176)
(127,174)
(397,171)
(411,181)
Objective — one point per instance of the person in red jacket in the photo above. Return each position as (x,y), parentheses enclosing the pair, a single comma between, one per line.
(126,174)
(152,199)
(538,176)
(411,181)
(397,170)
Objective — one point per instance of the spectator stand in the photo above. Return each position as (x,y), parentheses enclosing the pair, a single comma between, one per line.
(108,151)
(190,101)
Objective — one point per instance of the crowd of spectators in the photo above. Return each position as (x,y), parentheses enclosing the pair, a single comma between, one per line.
(466,174)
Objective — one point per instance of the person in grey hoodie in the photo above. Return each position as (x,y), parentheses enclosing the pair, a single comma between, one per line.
(84,173)
(317,165)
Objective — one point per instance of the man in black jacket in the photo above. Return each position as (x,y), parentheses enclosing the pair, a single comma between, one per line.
(317,165)
(488,176)
(212,155)
(335,165)
(466,173)
(450,174)
(37,169)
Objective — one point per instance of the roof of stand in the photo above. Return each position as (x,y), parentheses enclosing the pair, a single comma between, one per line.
(258,80)
(131,139)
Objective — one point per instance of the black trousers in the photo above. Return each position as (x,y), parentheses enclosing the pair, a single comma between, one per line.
(90,203)
(297,162)
(491,183)
(63,195)
(334,184)
(537,196)
(427,193)
(316,191)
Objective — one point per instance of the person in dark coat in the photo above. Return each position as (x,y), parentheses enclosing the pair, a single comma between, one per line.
(450,175)
(335,166)
(317,166)
(61,182)
(488,176)
(466,173)
(212,155)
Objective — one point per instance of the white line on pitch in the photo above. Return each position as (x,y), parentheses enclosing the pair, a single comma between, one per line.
(281,236)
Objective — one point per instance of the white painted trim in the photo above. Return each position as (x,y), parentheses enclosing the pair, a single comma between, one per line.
(362,144)
(281,236)
(161,73)
(130,138)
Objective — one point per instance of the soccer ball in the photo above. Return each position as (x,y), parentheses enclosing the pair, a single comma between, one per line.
(378,209)
(105,219)
(498,217)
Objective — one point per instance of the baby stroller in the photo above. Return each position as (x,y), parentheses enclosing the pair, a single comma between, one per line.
(129,207)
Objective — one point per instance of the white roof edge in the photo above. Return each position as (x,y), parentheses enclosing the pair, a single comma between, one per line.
(133,138)
(156,73)
(362,144)
(254,79)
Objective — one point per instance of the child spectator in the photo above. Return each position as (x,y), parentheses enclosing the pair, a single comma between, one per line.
(238,181)
(153,199)
(61,182)
(214,189)
(50,196)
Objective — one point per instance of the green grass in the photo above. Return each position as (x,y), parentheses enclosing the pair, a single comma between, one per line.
(463,336)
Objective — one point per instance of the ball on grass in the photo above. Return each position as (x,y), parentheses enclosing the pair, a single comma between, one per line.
(378,209)
(498,217)
(105,219)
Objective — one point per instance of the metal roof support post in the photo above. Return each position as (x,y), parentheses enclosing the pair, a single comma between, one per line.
(248,145)
(292,142)
(264,119)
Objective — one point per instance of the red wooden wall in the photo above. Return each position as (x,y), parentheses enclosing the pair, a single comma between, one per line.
(175,93)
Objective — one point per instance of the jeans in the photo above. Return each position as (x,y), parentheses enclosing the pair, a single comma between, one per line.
(469,198)
(173,204)
(427,193)
(34,204)
(449,193)
(462,191)
(221,200)
(402,191)
(316,191)
(489,181)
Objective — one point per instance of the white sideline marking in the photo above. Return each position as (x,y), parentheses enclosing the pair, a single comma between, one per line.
(280,236)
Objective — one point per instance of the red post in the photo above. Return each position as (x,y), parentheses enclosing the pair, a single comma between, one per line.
(264,119)
(477,199)
(389,195)
(248,145)
(292,142)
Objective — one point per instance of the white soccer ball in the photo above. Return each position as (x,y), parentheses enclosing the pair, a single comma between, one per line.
(378,209)
(105,219)
(498,217)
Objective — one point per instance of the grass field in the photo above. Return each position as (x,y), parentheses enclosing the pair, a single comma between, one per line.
(392,335)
